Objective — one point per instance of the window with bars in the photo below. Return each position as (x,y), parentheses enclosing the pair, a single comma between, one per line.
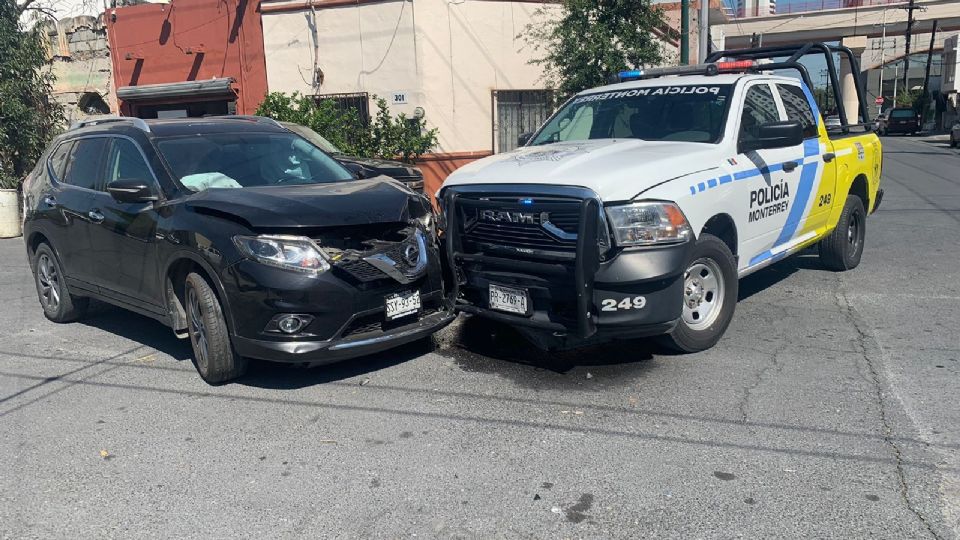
(358,102)
(517,112)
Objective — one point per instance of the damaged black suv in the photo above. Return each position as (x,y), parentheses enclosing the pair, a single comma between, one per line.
(236,233)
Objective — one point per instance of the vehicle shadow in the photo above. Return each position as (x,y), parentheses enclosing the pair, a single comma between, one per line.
(261,374)
(138,328)
(807,259)
(480,345)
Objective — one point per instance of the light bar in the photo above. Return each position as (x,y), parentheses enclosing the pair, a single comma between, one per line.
(695,69)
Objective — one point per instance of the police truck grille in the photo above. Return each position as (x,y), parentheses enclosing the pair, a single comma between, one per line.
(520,224)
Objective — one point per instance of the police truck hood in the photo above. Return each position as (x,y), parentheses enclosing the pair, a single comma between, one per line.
(616,169)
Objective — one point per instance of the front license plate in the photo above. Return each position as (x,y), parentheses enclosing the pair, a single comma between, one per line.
(508,299)
(402,304)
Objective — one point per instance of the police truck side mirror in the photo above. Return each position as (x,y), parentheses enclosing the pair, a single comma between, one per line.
(524,138)
(775,135)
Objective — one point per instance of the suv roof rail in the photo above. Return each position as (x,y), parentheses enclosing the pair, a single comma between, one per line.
(251,117)
(105,119)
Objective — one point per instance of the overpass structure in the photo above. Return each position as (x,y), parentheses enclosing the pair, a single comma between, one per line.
(871,21)
(877,27)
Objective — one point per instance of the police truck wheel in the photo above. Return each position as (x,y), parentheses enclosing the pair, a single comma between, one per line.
(212,352)
(710,288)
(58,304)
(841,250)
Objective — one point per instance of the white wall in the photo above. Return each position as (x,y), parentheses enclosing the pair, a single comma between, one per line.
(446,56)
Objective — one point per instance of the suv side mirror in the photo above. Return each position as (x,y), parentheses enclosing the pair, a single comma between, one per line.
(524,138)
(775,135)
(131,191)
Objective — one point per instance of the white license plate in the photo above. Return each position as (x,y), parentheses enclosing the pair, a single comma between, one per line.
(508,299)
(403,304)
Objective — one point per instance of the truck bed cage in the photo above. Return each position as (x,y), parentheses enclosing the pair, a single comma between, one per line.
(794,53)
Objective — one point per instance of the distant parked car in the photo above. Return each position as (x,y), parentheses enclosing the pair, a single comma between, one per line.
(410,176)
(899,120)
(955,135)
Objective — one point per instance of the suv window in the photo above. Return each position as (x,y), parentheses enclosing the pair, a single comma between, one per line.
(125,162)
(798,108)
(86,163)
(758,108)
(58,159)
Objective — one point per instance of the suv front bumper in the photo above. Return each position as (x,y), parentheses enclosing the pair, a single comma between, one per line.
(347,319)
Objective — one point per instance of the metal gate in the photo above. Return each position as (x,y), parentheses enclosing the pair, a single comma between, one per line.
(516,112)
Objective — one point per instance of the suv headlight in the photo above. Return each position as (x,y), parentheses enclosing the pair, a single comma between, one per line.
(297,253)
(648,223)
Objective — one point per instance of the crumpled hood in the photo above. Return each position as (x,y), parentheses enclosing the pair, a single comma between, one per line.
(616,169)
(357,202)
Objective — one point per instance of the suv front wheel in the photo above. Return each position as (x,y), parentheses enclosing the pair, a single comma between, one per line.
(212,352)
(58,304)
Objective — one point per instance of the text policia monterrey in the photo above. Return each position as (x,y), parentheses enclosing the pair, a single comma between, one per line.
(653,91)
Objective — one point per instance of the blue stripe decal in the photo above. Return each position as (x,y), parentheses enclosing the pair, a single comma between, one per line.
(725,179)
(693,190)
(701,187)
(808,177)
(712,182)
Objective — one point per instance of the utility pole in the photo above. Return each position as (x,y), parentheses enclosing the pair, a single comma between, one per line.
(684,32)
(926,75)
(704,21)
(883,49)
(911,7)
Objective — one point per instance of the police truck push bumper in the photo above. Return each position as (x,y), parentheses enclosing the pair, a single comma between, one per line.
(591,296)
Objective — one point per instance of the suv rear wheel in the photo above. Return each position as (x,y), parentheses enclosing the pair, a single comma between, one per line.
(842,249)
(212,352)
(710,289)
(58,304)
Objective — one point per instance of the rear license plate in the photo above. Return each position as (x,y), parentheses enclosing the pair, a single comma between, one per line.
(508,299)
(402,304)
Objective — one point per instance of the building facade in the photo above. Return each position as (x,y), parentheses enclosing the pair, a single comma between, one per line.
(187,58)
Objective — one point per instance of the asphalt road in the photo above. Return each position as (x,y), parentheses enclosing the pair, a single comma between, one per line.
(830,409)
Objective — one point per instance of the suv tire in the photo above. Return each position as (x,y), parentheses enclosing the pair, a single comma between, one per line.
(58,304)
(710,291)
(842,249)
(212,352)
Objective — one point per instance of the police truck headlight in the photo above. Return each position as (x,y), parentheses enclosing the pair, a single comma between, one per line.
(297,253)
(648,223)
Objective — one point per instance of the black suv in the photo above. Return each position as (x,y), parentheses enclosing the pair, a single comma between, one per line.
(235,232)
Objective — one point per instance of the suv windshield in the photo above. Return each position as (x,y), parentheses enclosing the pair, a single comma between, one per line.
(313,137)
(238,160)
(691,113)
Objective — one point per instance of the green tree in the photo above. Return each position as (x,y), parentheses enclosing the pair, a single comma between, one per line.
(385,136)
(29,117)
(594,39)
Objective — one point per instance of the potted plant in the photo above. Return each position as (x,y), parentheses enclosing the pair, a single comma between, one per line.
(10,222)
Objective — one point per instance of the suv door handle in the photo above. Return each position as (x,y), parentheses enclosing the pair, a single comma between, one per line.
(50,200)
(95,216)
(789,166)
(828,157)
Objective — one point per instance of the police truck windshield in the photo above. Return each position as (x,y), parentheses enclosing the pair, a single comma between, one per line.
(687,113)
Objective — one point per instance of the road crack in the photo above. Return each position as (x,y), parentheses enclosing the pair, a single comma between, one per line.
(773,364)
(866,343)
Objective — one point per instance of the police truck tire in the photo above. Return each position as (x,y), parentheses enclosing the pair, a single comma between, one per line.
(212,352)
(58,304)
(710,288)
(842,248)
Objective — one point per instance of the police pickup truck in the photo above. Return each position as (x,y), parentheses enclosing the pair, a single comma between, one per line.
(636,207)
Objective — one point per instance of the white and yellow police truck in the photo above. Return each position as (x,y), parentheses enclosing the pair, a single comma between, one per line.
(634,210)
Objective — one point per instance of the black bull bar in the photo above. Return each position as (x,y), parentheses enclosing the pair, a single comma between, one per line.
(586,263)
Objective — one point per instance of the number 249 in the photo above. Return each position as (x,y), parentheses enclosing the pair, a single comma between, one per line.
(610,304)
